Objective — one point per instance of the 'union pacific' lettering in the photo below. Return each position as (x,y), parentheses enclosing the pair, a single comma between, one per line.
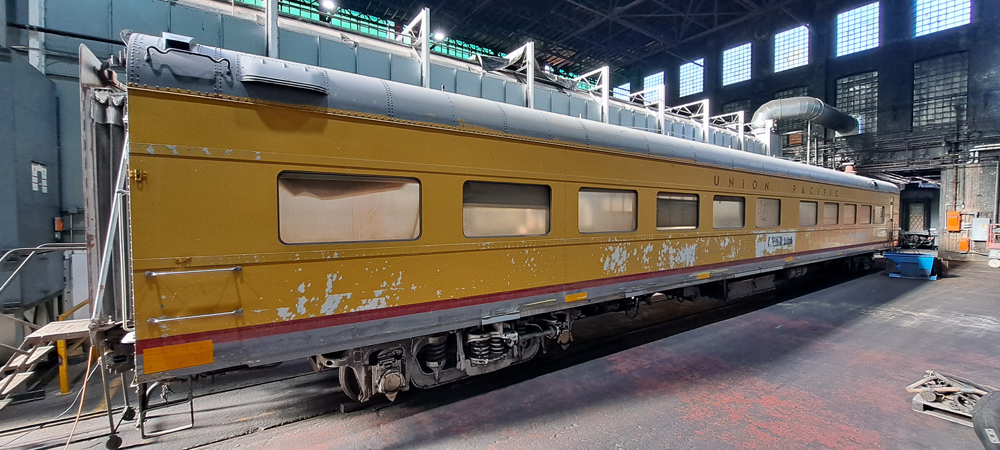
(732,181)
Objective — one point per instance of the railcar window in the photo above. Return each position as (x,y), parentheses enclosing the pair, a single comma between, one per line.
(606,210)
(728,212)
(676,211)
(865,214)
(880,214)
(318,208)
(768,212)
(831,212)
(505,209)
(808,213)
(850,214)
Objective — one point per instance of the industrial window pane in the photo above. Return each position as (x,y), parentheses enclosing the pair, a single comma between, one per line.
(937,15)
(622,92)
(603,210)
(651,84)
(808,213)
(880,214)
(850,214)
(857,29)
(865,214)
(768,212)
(857,95)
(728,212)
(742,104)
(791,48)
(941,91)
(317,207)
(676,211)
(505,209)
(692,78)
(831,212)
(736,64)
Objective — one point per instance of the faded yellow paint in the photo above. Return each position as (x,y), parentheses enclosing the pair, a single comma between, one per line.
(209,201)
(172,357)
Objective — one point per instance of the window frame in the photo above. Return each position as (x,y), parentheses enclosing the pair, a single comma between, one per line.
(868,216)
(880,215)
(684,82)
(815,221)
(743,203)
(697,214)
(737,64)
(635,209)
(836,216)
(856,35)
(548,222)
(843,214)
(756,217)
(420,204)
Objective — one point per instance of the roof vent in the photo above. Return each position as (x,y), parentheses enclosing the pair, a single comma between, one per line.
(171,40)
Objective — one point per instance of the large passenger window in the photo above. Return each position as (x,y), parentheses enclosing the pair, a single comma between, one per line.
(606,210)
(808,213)
(505,209)
(850,214)
(728,212)
(676,211)
(831,212)
(768,212)
(880,214)
(319,208)
(865,214)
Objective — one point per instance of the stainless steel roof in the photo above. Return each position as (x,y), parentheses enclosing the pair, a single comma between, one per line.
(158,62)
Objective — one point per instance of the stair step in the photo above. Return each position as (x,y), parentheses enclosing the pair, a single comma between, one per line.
(4,402)
(60,331)
(17,380)
(31,359)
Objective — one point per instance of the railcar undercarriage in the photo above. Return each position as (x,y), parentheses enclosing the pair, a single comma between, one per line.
(434,360)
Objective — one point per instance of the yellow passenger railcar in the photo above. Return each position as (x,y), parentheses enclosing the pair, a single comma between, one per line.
(411,237)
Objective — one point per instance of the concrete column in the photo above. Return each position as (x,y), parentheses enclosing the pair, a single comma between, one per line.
(36,40)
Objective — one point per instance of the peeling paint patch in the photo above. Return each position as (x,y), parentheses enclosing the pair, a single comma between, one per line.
(300,307)
(173,149)
(617,260)
(150,150)
(206,151)
(285,314)
(683,256)
(258,156)
(302,288)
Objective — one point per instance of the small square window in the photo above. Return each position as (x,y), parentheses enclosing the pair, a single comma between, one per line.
(736,64)
(831,213)
(606,210)
(692,78)
(505,209)
(936,15)
(808,213)
(858,29)
(791,49)
(728,212)
(865,214)
(768,212)
(850,214)
(651,84)
(879,215)
(676,211)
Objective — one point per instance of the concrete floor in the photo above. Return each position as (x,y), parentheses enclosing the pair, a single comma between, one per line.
(823,370)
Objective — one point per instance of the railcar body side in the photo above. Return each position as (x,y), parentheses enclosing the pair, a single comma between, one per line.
(204,196)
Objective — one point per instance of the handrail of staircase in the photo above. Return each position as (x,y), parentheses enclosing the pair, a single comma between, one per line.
(31,251)
(74,309)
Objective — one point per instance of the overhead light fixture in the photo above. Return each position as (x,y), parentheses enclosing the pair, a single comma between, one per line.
(439,35)
(327,5)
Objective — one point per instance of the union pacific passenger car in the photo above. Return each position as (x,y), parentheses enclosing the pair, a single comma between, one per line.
(410,237)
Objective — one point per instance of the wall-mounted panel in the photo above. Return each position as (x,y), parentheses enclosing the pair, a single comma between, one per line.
(298,47)
(243,36)
(203,26)
(578,107)
(139,16)
(560,103)
(514,93)
(493,88)
(469,83)
(404,70)
(90,17)
(442,78)
(374,63)
(338,56)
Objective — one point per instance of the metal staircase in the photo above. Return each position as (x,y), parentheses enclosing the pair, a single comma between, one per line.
(20,368)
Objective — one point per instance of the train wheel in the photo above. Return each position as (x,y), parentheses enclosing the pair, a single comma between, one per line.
(349,383)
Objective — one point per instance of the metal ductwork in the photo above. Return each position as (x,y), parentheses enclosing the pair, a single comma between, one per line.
(808,108)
